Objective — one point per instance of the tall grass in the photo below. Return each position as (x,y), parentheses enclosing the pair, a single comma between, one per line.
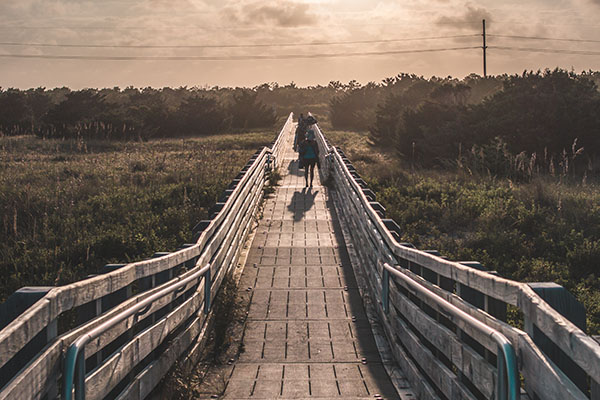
(67,207)
(538,226)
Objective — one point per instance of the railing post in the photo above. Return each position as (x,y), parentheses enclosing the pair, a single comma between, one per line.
(501,384)
(80,375)
(567,305)
(207,284)
(385,290)
(16,304)
(595,389)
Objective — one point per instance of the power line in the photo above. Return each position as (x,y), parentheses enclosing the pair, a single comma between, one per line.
(214,46)
(545,38)
(232,58)
(552,51)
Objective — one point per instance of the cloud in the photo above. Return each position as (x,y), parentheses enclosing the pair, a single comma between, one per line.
(469,18)
(279,13)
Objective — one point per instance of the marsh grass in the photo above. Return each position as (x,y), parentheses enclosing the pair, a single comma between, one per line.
(542,228)
(67,207)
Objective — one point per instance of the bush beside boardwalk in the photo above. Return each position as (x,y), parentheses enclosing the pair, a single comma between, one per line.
(70,206)
(543,228)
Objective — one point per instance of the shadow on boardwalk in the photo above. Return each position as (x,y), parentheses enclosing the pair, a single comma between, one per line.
(302,202)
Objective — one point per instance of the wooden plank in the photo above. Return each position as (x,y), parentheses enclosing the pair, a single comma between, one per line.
(511,333)
(113,370)
(252,197)
(542,377)
(235,227)
(478,360)
(143,384)
(33,381)
(360,214)
(581,348)
(45,368)
(420,386)
(468,361)
(479,371)
(498,288)
(445,380)
(64,298)
(491,286)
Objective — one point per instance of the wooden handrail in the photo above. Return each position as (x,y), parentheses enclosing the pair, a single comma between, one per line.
(44,367)
(582,349)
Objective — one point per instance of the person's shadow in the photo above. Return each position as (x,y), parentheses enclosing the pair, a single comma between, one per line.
(302,202)
(293,168)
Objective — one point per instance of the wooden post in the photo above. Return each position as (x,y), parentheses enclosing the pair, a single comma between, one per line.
(108,302)
(16,304)
(114,299)
(565,303)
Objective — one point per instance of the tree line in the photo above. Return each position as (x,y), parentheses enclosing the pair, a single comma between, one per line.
(510,125)
(130,114)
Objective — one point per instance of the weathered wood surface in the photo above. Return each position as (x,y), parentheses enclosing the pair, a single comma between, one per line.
(470,363)
(121,363)
(146,380)
(228,227)
(447,381)
(112,371)
(580,348)
(378,245)
(16,335)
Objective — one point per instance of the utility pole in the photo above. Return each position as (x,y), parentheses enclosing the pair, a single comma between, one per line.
(484,52)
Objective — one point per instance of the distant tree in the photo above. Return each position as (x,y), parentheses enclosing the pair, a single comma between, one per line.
(39,102)
(248,112)
(201,115)
(451,94)
(15,114)
(79,108)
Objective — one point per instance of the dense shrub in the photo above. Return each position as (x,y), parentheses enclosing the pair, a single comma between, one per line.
(539,122)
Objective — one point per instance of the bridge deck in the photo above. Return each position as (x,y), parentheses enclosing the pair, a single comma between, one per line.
(307,334)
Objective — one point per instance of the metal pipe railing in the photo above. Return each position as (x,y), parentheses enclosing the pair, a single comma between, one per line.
(74,374)
(507,384)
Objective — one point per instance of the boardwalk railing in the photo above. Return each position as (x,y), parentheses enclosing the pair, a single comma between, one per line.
(441,355)
(447,322)
(131,323)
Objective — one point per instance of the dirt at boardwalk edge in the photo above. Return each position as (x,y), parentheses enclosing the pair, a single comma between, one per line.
(208,379)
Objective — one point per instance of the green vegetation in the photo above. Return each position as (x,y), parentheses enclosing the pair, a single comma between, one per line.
(503,170)
(131,114)
(543,229)
(68,207)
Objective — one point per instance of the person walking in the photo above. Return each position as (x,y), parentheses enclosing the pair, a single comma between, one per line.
(309,156)
(300,132)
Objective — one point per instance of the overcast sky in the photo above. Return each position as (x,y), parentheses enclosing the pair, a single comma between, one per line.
(300,22)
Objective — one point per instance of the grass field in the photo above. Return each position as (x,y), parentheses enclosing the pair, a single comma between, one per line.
(543,229)
(68,207)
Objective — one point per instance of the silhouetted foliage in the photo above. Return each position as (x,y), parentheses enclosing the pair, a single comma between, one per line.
(248,112)
(539,121)
(201,115)
(15,115)
(131,113)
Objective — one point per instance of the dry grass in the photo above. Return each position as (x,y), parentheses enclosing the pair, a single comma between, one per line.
(68,207)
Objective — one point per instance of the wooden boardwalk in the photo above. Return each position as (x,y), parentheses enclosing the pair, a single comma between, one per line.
(307,335)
